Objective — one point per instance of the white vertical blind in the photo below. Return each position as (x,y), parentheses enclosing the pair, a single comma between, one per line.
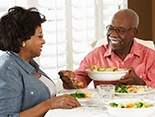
(83,28)
(71,26)
(54,53)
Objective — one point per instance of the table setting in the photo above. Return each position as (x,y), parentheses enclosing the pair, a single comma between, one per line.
(108,100)
(97,104)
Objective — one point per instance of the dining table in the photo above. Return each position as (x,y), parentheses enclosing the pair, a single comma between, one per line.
(95,106)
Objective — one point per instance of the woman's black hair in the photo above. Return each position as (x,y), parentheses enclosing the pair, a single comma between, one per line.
(18,25)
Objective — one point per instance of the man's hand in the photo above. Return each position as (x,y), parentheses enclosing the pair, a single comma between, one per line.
(131,78)
(67,78)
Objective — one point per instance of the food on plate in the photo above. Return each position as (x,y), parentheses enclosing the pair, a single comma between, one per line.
(121,89)
(138,104)
(81,94)
(103,68)
(131,107)
(131,89)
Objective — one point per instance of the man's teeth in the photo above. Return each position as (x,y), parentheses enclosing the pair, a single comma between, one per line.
(115,42)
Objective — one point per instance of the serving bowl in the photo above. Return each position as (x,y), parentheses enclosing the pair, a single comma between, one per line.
(130,112)
(106,75)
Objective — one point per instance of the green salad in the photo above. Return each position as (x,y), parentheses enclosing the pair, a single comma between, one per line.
(78,94)
(121,89)
(138,104)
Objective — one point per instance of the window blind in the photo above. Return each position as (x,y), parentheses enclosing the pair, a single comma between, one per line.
(71,26)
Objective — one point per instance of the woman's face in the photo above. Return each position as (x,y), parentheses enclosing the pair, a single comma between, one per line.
(33,46)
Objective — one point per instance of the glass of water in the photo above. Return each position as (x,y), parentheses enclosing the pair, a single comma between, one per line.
(106,92)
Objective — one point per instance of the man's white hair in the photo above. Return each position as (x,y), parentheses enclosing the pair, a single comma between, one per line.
(132,14)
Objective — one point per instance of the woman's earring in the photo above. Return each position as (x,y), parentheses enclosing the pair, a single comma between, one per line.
(23,44)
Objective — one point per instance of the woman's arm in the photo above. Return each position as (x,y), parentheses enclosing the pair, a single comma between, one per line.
(64,101)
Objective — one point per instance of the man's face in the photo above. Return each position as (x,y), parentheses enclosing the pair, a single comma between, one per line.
(120,33)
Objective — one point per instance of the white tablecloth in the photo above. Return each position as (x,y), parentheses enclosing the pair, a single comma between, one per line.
(91,109)
(78,112)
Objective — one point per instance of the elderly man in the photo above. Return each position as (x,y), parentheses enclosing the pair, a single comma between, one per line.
(122,51)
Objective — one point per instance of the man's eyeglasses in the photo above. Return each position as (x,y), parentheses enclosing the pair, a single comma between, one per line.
(39,35)
(119,30)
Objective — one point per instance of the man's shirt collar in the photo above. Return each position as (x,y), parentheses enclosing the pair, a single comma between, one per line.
(135,50)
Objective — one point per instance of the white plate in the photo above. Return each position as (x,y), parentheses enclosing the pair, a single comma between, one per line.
(148,90)
(130,112)
(81,100)
(106,75)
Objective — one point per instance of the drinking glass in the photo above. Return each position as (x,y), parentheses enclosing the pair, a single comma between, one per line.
(106,92)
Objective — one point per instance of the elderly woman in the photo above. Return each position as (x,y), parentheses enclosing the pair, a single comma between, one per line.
(25,90)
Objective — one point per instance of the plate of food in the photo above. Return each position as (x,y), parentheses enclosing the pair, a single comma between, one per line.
(131,107)
(105,73)
(130,90)
(82,95)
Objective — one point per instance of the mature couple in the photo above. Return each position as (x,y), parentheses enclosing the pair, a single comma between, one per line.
(26,91)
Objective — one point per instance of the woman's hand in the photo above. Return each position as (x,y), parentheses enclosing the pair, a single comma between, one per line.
(131,78)
(64,101)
